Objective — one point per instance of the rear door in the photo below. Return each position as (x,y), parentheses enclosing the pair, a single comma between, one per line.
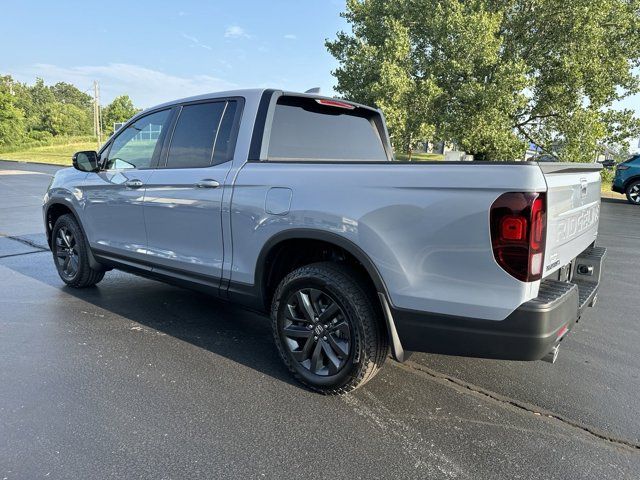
(182,206)
(573,209)
(113,197)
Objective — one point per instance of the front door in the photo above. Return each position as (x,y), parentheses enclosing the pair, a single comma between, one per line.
(113,197)
(183,201)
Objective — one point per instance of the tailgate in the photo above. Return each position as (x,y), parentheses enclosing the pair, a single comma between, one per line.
(573,209)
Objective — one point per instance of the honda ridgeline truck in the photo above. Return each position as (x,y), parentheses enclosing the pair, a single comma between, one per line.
(293,204)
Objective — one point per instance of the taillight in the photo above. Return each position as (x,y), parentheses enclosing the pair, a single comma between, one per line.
(518,232)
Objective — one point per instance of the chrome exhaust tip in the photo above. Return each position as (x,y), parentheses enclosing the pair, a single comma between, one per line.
(552,355)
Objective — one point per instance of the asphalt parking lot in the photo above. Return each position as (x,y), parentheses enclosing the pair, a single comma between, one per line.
(136,379)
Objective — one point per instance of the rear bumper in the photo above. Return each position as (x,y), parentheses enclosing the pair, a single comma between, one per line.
(527,334)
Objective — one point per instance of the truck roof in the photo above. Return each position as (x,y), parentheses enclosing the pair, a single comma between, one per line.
(249,94)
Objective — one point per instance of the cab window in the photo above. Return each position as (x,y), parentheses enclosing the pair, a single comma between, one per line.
(138,144)
(202,136)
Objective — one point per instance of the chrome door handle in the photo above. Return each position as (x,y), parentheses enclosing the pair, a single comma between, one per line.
(208,183)
(134,183)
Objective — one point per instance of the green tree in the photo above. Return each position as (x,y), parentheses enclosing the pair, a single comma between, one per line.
(66,119)
(22,100)
(119,110)
(38,112)
(404,100)
(41,97)
(380,71)
(67,93)
(493,75)
(12,126)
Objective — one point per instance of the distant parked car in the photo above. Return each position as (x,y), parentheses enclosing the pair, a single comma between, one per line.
(627,179)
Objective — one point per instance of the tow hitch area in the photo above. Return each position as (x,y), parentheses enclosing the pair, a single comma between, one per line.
(552,356)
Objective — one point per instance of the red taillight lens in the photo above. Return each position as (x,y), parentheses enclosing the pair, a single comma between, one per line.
(518,232)
(513,228)
(537,224)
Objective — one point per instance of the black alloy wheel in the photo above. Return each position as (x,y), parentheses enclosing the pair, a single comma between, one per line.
(316,331)
(71,252)
(66,253)
(327,327)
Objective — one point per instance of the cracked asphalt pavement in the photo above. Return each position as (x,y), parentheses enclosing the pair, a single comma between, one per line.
(136,379)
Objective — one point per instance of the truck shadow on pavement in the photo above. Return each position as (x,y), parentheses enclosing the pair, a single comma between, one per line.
(127,301)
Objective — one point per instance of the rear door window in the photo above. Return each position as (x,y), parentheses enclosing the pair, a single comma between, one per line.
(304,130)
(202,135)
(225,141)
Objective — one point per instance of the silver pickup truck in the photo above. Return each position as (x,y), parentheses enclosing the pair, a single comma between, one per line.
(293,204)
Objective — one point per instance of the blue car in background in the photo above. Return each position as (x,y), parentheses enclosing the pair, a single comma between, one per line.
(627,179)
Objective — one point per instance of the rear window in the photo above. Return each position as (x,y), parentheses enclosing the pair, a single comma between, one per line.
(304,130)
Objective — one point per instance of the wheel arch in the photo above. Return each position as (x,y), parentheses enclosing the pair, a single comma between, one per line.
(54,210)
(267,275)
(275,243)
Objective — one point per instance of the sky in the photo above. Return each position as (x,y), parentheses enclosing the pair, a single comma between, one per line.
(156,51)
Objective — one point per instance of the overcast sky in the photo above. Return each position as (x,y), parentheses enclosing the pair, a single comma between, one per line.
(157,51)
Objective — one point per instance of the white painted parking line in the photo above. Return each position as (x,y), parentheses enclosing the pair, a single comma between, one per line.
(21,172)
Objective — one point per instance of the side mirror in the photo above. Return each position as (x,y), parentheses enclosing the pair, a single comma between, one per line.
(86,161)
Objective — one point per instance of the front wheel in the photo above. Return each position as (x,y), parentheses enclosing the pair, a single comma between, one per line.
(327,329)
(70,254)
(633,192)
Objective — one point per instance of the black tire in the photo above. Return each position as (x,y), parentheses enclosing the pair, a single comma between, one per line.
(70,254)
(633,192)
(346,360)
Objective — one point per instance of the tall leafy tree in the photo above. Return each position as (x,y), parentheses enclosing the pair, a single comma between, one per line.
(66,119)
(495,75)
(41,98)
(21,94)
(12,126)
(69,94)
(119,110)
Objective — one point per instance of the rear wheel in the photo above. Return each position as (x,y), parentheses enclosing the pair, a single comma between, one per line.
(633,192)
(327,329)
(70,254)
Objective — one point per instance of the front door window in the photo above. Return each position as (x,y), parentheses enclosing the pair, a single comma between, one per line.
(138,144)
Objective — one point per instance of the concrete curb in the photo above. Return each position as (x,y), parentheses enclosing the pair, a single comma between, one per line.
(619,196)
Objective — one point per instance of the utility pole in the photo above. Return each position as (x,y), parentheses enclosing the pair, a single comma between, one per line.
(97,121)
